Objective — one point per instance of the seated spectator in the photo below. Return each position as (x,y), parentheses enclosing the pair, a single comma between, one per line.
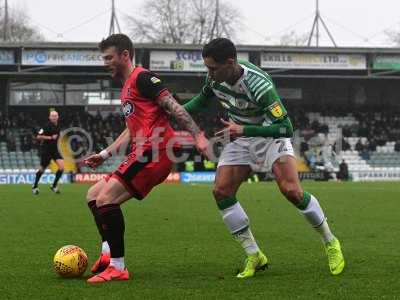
(359,146)
(365,154)
(346,131)
(311,158)
(26,142)
(3,136)
(397,146)
(344,146)
(372,144)
(303,147)
(11,146)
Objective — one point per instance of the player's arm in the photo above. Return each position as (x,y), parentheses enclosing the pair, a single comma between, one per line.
(168,102)
(41,136)
(150,86)
(198,102)
(120,143)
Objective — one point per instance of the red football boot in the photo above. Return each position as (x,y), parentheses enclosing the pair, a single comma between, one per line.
(109,274)
(101,263)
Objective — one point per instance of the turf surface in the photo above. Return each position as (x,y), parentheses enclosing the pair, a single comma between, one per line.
(178,248)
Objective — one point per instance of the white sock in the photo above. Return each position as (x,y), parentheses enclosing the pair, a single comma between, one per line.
(236,220)
(246,239)
(325,232)
(105,248)
(316,217)
(118,263)
(313,212)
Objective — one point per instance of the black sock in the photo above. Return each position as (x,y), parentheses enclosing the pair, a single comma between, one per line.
(58,176)
(97,219)
(114,228)
(37,178)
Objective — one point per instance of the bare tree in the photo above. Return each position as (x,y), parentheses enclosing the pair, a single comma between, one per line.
(293,39)
(15,26)
(393,36)
(184,21)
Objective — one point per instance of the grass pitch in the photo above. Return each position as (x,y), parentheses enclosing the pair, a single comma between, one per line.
(178,248)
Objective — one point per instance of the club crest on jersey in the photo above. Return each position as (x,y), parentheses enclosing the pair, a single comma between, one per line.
(276,110)
(127,109)
(155,80)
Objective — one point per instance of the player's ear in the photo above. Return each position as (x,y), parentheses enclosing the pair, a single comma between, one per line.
(125,54)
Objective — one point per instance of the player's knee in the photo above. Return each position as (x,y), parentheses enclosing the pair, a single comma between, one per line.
(292,192)
(61,169)
(103,199)
(221,193)
(91,194)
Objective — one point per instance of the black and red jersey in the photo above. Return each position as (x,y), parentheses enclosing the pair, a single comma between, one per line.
(147,122)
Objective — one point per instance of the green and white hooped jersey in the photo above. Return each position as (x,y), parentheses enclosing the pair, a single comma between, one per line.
(252,100)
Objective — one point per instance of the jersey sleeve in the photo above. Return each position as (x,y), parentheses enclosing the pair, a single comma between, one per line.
(199,101)
(149,85)
(273,106)
(264,93)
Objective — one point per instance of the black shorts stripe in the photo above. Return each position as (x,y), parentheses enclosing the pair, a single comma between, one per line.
(135,168)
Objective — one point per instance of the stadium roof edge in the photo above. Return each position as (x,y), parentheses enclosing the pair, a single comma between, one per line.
(92,45)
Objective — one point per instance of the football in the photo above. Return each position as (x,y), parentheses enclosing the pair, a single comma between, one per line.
(70,261)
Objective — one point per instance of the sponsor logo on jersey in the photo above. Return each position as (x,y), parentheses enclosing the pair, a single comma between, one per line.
(128,108)
(155,80)
(276,109)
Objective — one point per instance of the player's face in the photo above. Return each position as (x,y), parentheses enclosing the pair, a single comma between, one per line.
(219,72)
(53,117)
(114,61)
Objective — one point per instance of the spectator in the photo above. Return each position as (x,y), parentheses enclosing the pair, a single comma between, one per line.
(3,136)
(359,146)
(11,145)
(343,173)
(372,144)
(397,146)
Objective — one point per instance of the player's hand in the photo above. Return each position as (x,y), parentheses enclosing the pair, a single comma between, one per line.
(54,136)
(202,144)
(93,161)
(231,130)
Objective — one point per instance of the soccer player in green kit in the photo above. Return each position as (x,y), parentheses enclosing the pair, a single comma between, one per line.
(260,131)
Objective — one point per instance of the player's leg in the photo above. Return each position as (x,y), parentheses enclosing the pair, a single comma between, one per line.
(108,202)
(44,162)
(60,165)
(285,171)
(104,260)
(227,182)
(133,178)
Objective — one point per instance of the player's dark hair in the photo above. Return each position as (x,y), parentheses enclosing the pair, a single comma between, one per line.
(220,49)
(120,41)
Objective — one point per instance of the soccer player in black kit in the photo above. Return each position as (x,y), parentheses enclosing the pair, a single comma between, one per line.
(48,138)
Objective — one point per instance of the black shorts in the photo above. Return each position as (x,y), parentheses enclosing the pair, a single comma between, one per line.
(47,155)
